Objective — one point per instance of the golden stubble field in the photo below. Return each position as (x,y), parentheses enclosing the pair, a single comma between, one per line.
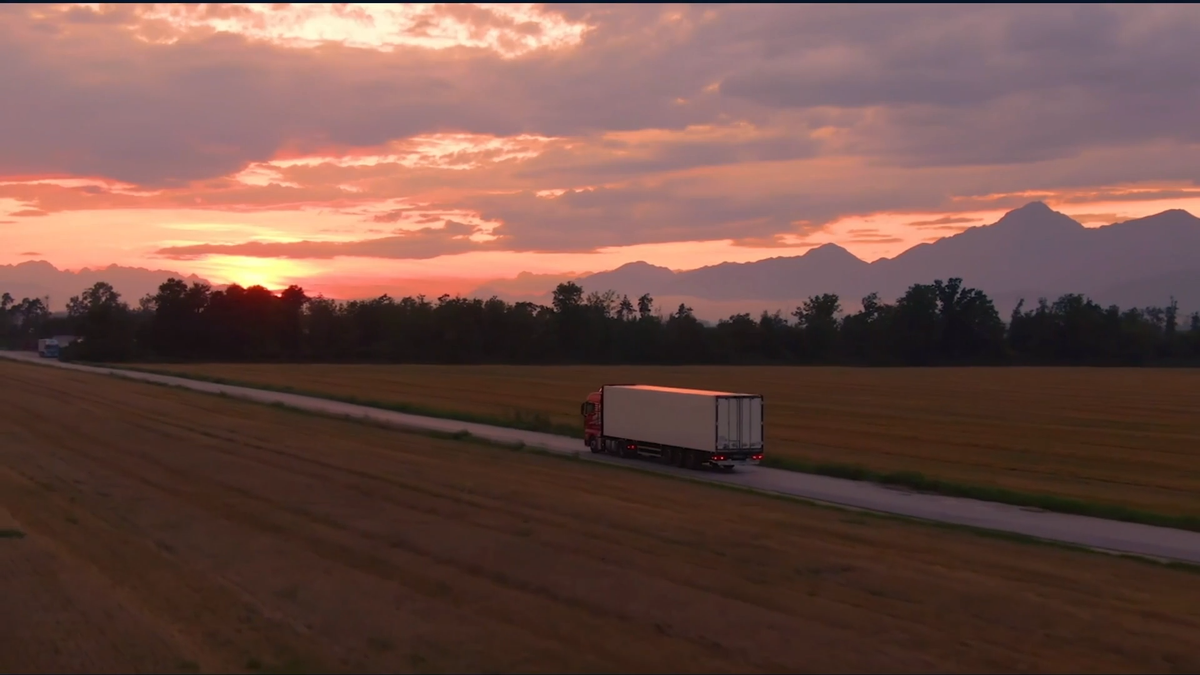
(1128,437)
(173,531)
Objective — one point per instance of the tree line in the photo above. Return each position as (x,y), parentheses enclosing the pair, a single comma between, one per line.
(942,323)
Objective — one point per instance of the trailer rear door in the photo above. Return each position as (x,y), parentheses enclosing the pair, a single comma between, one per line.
(739,423)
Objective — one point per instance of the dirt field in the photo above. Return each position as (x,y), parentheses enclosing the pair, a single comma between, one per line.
(1129,437)
(167,530)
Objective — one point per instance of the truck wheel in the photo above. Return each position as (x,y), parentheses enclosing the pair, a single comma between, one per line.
(691,459)
(594,444)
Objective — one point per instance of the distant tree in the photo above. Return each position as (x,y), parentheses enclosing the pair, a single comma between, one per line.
(917,326)
(23,321)
(645,306)
(625,310)
(106,324)
(819,320)
(567,297)
(7,319)
(685,337)
(740,338)
(971,329)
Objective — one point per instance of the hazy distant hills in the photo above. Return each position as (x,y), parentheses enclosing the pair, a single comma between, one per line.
(1032,251)
(38,278)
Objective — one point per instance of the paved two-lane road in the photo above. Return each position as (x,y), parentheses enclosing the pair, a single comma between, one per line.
(1144,540)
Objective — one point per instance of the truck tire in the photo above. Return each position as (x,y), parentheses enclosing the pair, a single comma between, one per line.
(691,459)
(595,445)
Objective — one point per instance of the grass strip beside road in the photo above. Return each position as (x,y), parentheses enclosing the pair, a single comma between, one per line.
(525,420)
(540,422)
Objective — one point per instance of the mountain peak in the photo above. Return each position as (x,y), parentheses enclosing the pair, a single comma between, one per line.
(829,252)
(641,265)
(1036,217)
(1170,215)
(1034,207)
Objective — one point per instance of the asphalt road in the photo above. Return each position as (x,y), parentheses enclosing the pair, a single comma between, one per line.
(1130,538)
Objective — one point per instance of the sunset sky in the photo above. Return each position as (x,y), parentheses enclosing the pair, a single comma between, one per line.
(361,149)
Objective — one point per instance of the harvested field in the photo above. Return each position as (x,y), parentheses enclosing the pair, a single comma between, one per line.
(167,530)
(1121,437)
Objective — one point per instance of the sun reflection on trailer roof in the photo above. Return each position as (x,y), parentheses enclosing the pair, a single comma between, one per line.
(677,390)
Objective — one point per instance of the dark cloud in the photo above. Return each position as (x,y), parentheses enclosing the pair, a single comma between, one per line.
(29,213)
(587,220)
(419,244)
(614,160)
(29,254)
(391,216)
(1119,195)
(938,223)
(943,228)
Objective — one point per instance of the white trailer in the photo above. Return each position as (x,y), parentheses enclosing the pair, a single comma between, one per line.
(685,427)
(48,348)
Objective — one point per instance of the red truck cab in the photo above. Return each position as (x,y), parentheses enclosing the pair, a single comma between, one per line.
(590,409)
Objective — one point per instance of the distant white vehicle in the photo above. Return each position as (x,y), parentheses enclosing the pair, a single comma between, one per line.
(48,348)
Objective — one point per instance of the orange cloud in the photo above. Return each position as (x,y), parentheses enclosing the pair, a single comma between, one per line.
(508,29)
(1102,218)
(452,238)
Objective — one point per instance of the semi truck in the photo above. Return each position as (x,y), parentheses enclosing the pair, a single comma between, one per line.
(691,428)
(48,348)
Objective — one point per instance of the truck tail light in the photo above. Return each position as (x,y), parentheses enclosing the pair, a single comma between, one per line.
(757,457)
(718,458)
(631,446)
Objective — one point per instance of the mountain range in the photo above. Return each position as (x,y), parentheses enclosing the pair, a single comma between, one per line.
(1029,253)
(40,279)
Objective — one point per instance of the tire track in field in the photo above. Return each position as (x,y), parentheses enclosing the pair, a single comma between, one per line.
(191,612)
(61,615)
